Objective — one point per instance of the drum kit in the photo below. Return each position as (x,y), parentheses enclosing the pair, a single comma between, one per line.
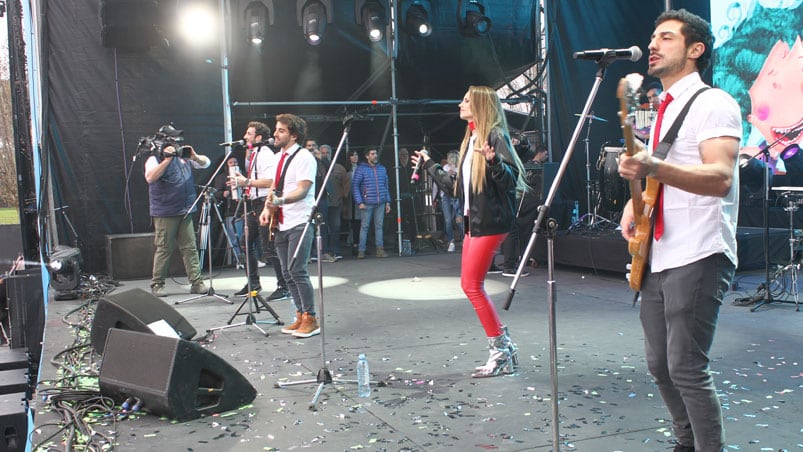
(609,190)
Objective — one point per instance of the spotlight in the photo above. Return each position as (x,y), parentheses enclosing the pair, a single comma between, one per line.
(417,19)
(476,22)
(371,15)
(257,16)
(197,23)
(65,268)
(751,173)
(793,161)
(312,16)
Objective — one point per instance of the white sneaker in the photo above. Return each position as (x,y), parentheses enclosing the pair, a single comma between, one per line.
(451,247)
(261,264)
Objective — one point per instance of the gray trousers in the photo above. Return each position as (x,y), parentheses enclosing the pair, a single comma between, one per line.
(679,311)
(297,277)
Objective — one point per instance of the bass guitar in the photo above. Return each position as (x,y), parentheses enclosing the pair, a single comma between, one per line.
(642,199)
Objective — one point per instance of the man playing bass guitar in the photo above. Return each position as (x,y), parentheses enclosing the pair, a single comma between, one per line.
(693,255)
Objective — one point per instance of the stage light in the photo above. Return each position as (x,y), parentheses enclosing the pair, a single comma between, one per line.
(257,17)
(371,15)
(313,17)
(476,23)
(417,18)
(793,161)
(197,23)
(751,173)
(65,268)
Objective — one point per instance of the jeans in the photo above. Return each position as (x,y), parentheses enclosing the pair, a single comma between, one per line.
(169,233)
(452,215)
(377,213)
(332,246)
(679,312)
(297,277)
(235,238)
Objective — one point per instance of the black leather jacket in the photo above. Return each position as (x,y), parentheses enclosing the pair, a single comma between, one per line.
(492,211)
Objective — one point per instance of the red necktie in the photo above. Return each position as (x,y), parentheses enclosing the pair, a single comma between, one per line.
(251,161)
(276,182)
(659,202)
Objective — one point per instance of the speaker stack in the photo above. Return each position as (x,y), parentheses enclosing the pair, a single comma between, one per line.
(130,25)
(171,376)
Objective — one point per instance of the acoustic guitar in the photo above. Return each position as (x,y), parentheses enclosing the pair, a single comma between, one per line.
(273,218)
(643,200)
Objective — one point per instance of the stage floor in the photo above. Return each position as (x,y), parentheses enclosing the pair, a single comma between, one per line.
(421,336)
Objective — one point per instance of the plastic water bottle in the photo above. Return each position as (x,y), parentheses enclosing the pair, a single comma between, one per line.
(576,212)
(363,377)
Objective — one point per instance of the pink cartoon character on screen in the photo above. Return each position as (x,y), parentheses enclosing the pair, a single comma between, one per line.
(777,102)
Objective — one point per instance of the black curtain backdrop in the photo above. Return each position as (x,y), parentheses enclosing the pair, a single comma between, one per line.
(578,25)
(100,101)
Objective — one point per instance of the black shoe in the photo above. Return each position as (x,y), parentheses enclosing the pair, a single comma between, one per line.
(244,291)
(279,294)
(681,448)
(494,270)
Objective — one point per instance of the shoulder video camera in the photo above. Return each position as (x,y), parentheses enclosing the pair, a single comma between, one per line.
(165,137)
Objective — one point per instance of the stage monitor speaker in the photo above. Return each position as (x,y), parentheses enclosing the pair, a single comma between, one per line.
(130,256)
(13,422)
(136,310)
(172,377)
(26,309)
(130,24)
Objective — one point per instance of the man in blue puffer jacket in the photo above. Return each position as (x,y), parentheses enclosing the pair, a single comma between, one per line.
(372,196)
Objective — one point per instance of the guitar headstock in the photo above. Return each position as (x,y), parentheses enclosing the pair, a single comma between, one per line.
(628,94)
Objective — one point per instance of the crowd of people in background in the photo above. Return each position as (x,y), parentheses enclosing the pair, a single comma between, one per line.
(351,230)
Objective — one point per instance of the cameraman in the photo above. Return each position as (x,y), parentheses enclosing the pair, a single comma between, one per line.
(172,193)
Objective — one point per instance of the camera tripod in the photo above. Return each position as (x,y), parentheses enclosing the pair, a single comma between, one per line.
(205,244)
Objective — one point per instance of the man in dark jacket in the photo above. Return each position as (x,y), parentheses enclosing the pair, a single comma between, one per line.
(372,196)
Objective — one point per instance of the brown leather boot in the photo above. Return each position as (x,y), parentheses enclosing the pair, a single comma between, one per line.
(309,326)
(380,252)
(290,329)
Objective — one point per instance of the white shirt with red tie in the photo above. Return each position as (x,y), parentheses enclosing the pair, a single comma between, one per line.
(697,226)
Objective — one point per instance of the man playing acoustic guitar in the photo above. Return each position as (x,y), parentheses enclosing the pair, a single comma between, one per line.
(693,255)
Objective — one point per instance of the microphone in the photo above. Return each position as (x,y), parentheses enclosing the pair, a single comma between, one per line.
(414,176)
(233,143)
(632,54)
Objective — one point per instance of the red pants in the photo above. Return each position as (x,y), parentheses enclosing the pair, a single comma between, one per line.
(478,253)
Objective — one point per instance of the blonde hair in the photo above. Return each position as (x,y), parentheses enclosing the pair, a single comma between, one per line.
(488,115)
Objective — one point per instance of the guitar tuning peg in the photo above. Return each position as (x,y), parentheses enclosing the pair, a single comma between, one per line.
(627,276)
(629,266)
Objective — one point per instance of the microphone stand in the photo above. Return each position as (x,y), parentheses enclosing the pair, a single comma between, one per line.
(206,232)
(543,210)
(252,299)
(324,377)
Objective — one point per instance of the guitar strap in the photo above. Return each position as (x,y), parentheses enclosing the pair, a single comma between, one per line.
(280,182)
(663,147)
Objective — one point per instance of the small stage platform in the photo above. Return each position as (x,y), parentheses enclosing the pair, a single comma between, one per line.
(606,250)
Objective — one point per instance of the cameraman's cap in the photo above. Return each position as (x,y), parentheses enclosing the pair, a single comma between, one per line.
(170,131)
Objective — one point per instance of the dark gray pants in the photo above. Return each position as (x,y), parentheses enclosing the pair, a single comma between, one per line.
(297,277)
(679,311)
